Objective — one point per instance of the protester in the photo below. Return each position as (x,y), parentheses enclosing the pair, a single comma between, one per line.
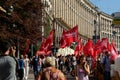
(50,72)
(21,67)
(117,66)
(112,71)
(61,62)
(26,69)
(82,69)
(106,66)
(7,63)
(68,63)
(56,60)
(98,72)
(74,63)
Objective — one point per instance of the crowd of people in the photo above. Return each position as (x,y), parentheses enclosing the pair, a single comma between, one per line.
(56,67)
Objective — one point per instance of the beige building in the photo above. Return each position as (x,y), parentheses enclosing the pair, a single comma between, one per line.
(90,20)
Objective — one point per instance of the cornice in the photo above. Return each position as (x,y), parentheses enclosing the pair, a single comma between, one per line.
(97,9)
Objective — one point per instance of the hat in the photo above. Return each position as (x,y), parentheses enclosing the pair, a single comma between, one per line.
(50,61)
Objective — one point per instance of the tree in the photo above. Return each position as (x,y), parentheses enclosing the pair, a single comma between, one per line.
(22,20)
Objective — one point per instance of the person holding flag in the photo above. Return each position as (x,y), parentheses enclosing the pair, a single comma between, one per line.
(106,66)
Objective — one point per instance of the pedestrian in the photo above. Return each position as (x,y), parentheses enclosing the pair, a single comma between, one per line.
(74,63)
(112,75)
(98,71)
(50,72)
(117,66)
(13,54)
(68,63)
(60,62)
(7,63)
(26,69)
(21,67)
(82,69)
(35,63)
(106,66)
(56,60)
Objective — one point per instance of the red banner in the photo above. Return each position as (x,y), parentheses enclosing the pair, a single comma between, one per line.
(113,51)
(70,36)
(79,48)
(89,48)
(63,42)
(47,44)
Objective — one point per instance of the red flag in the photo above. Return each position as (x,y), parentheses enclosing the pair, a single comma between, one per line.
(97,48)
(79,48)
(47,43)
(63,40)
(113,51)
(89,48)
(104,44)
(43,53)
(42,45)
(71,35)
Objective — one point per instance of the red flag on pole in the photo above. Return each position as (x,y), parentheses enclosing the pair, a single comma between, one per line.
(89,48)
(47,43)
(104,44)
(97,48)
(63,42)
(79,48)
(42,45)
(71,35)
(113,51)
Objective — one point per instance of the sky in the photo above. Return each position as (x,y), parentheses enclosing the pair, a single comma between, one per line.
(107,6)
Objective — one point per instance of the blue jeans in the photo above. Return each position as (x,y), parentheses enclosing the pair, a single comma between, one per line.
(37,70)
(106,75)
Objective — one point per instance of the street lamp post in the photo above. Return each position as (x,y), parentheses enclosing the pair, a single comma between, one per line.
(95,36)
(95,31)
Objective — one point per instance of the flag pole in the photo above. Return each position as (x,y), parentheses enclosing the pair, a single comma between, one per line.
(54,45)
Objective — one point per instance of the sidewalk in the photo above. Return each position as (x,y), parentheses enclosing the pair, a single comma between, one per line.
(31,75)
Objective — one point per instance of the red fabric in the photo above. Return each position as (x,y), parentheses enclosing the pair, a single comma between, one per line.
(113,51)
(94,64)
(72,35)
(97,48)
(42,45)
(79,48)
(69,36)
(104,44)
(63,42)
(44,53)
(89,48)
(47,43)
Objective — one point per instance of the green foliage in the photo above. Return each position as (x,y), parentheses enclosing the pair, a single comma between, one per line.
(47,26)
(117,19)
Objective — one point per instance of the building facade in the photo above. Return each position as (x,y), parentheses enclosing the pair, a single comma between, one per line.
(92,23)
